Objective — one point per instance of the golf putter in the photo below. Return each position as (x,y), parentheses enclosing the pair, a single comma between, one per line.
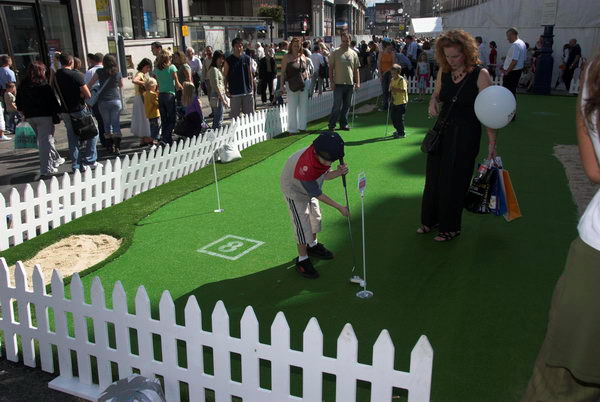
(353,105)
(387,119)
(349,223)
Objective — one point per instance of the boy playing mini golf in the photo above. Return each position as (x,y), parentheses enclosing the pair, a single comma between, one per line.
(301,182)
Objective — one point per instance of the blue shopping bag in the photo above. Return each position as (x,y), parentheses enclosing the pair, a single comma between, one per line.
(497,204)
(25,136)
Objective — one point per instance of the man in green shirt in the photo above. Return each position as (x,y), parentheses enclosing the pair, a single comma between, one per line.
(343,71)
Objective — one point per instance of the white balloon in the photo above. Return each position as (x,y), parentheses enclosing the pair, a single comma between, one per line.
(495,106)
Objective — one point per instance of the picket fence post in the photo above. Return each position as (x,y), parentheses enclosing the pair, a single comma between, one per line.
(74,317)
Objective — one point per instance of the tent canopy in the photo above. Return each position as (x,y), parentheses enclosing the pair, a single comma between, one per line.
(491,19)
(426,25)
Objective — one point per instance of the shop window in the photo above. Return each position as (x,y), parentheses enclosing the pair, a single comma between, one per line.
(123,10)
(142,19)
(57,28)
(154,14)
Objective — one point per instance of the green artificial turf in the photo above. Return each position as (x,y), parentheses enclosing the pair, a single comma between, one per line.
(120,220)
(482,299)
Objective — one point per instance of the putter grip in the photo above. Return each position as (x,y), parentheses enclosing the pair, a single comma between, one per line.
(343,176)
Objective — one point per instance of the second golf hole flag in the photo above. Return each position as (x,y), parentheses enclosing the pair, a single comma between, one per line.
(362,183)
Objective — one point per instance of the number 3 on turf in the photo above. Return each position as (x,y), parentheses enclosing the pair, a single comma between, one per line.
(231,246)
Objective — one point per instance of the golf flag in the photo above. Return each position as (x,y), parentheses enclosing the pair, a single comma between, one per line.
(362,183)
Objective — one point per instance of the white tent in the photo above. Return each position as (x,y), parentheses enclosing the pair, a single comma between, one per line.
(425,26)
(577,19)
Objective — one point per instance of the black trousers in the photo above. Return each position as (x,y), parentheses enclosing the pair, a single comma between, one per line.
(263,85)
(511,81)
(568,77)
(397,115)
(98,116)
(448,175)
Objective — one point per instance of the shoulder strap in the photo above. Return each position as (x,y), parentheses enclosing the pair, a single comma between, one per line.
(443,121)
(57,88)
(104,85)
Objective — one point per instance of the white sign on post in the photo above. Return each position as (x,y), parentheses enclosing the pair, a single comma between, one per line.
(549,12)
(362,183)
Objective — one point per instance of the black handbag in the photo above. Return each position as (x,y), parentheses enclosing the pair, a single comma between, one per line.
(478,197)
(432,141)
(296,81)
(84,127)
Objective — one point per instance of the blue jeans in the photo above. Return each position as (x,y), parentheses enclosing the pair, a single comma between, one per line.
(12,119)
(218,116)
(111,117)
(89,147)
(168,115)
(342,99)
(155,128)
(98,117)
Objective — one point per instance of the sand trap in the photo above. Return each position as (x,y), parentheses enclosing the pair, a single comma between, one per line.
(368,108)
(70,255)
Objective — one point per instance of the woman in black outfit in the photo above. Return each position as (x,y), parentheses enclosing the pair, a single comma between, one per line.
(449,171)
(37,102)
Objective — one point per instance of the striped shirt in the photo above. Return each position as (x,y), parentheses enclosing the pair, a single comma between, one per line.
(278,60)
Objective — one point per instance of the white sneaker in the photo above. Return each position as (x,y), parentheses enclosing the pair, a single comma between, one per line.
(59,162)
(87,167)
(5,138)
(50,172)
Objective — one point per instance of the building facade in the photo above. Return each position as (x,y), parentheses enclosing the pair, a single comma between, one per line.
(37,29)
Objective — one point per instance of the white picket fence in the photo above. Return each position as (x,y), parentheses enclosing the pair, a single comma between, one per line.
(40,208)
(100,355)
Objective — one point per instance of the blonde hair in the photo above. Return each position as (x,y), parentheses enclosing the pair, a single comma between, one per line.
(163,60)
(397,68)
(151,82)
(188,93)
(461,40)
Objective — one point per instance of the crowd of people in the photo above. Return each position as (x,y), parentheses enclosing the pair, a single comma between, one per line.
(168,90)
(168,96)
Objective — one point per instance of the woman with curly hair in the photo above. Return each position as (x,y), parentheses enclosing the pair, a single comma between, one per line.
(567,366)
(459,80)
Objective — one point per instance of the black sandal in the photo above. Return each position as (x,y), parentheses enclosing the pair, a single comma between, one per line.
(446,236)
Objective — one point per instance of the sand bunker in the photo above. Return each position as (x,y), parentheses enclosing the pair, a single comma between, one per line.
(70,255)
(368,108)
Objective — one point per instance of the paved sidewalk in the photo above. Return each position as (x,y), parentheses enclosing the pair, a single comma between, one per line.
(21,166)
(23,384)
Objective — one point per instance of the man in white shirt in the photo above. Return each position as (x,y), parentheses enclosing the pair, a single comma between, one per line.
(94,61)
(260,51)
(483,52)
(411,50)
(196,65)
(514,62)
(317,60)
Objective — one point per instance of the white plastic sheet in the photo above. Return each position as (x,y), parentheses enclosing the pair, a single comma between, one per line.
(426,25)
(577,19)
